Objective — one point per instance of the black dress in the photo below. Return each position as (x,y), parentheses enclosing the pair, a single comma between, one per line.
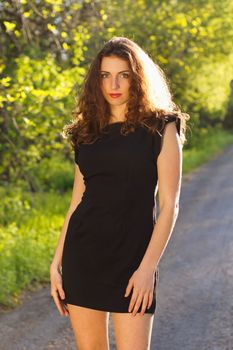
(111,227)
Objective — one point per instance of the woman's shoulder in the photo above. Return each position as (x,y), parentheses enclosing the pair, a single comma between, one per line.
(158,124)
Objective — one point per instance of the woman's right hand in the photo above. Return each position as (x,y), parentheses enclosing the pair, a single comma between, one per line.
(57,291)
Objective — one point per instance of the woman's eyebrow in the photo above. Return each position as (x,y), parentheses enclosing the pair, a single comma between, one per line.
(118,72)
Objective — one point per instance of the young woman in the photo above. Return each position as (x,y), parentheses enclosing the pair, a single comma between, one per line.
(127,137)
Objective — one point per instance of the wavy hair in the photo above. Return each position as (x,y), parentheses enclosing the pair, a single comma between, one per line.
(150,99)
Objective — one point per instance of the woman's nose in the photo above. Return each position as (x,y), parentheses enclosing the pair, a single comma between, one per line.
(115,83)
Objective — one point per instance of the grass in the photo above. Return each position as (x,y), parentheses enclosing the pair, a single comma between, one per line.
(31,223)
(212,143)
(27,244)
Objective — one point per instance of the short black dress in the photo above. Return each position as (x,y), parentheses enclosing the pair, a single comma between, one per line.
(110,229)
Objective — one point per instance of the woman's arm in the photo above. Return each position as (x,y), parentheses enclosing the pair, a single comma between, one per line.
(78,189)
(56,287)
(169,165)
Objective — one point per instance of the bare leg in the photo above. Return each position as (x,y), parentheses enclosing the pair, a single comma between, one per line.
(132,332)
(90,327)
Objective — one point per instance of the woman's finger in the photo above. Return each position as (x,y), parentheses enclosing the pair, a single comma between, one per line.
(58,303)
(136,299)
(150,299)
(137,304)
(133,300)
(61,291)
(64,307)
(144,303)
(129,287)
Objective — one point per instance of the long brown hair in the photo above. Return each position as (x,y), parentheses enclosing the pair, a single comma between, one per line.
(149,102)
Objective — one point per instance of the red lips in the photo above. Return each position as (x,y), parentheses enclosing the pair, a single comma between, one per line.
(115,95)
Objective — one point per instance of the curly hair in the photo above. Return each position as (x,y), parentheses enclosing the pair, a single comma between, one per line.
(150,99)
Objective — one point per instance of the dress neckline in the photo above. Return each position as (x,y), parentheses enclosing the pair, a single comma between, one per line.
(119,122)
(114,124)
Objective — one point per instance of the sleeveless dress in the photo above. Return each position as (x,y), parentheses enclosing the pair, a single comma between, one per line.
(110,229)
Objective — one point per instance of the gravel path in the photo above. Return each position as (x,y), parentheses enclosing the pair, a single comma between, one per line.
(194,300)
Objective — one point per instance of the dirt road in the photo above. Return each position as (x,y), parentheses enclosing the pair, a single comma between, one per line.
(195,303)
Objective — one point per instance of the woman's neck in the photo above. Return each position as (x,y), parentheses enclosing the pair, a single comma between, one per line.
(118,113)
(119,118)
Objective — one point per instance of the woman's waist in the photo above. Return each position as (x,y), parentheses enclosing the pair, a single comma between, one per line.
(118,194)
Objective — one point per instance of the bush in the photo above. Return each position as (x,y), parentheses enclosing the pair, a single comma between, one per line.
(27,243)
(54,173)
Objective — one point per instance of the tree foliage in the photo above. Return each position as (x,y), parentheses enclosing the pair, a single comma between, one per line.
(47,45)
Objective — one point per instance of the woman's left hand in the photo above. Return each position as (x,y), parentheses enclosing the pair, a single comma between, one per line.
(142,282)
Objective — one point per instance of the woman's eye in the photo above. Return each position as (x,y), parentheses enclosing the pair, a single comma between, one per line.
(125,75)
(103,75)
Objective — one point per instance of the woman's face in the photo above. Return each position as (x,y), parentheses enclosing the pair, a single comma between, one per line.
(115,79)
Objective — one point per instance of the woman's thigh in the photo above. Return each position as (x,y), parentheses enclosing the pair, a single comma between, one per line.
(132,332)
(90,327)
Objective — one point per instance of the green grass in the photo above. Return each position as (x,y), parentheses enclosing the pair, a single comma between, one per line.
(212,142)
(31,223)
(27,244)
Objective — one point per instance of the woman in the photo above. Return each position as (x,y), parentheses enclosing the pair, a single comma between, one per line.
(127,137)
